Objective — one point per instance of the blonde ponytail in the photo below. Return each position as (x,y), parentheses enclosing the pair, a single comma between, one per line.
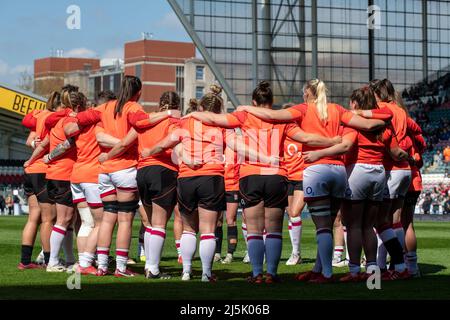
(318,89)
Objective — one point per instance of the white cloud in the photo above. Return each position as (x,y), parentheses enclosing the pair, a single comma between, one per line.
(7,71)
(114,53)
(80,53)
(22,68)
(11,74)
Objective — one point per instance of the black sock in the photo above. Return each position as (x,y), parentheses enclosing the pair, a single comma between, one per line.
(27,252)
(232,234)
(395,250)
(219,238)
(46,257)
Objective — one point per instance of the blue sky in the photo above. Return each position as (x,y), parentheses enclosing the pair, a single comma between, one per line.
(29,29)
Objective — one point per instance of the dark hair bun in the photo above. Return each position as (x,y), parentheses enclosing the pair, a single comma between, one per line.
(264,85)
(193,103)
(215,89)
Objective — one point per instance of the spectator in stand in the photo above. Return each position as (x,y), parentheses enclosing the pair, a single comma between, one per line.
(446,206)
(2,204)
(437,158)
(9,204)
(426,205)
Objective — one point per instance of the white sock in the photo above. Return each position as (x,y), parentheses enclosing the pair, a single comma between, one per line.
(67,246)
(155,245)
(188,243)
(385,236)
(347,256)
(338,252)
(295,233)
(80,257)
(86,259)
(178,246)
(207,249)
(147,235)
(244,233)
(103,257)
(121,259)
(56,240)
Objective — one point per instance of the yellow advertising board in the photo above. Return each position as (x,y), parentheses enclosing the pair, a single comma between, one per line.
(19,102)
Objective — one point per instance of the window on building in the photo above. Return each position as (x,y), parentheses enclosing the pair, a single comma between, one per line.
(111,82)
(199,92)
(200,73)
(106,83)
(138,71)
(179,82)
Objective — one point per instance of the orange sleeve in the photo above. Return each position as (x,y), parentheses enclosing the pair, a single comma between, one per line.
(88,117)
(346,115)
(350,134)
(419,143)
(297,111)
(406,143)
(384,114)
(236,119)
(139,120)
(412,127)
(53,119)
(29,121)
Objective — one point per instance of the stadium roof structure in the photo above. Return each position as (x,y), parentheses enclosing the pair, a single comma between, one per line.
(343,42)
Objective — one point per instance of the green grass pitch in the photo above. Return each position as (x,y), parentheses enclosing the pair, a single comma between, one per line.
(434,261)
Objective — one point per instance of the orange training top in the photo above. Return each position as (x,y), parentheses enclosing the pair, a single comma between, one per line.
(87,167)
(201,143)
(311,123)
(293,159)
(115,126)
(264,137)
(232,165)
(148,138)
(39,166)
(369,148)
(61,168)
(399,130)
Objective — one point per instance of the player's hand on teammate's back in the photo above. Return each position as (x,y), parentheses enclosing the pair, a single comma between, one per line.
(102,157)
(46,158)
(311,156)
(337,140)
(175,113)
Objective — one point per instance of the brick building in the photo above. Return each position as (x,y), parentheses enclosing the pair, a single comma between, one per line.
(50,73)
(161,66)
(156,63)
